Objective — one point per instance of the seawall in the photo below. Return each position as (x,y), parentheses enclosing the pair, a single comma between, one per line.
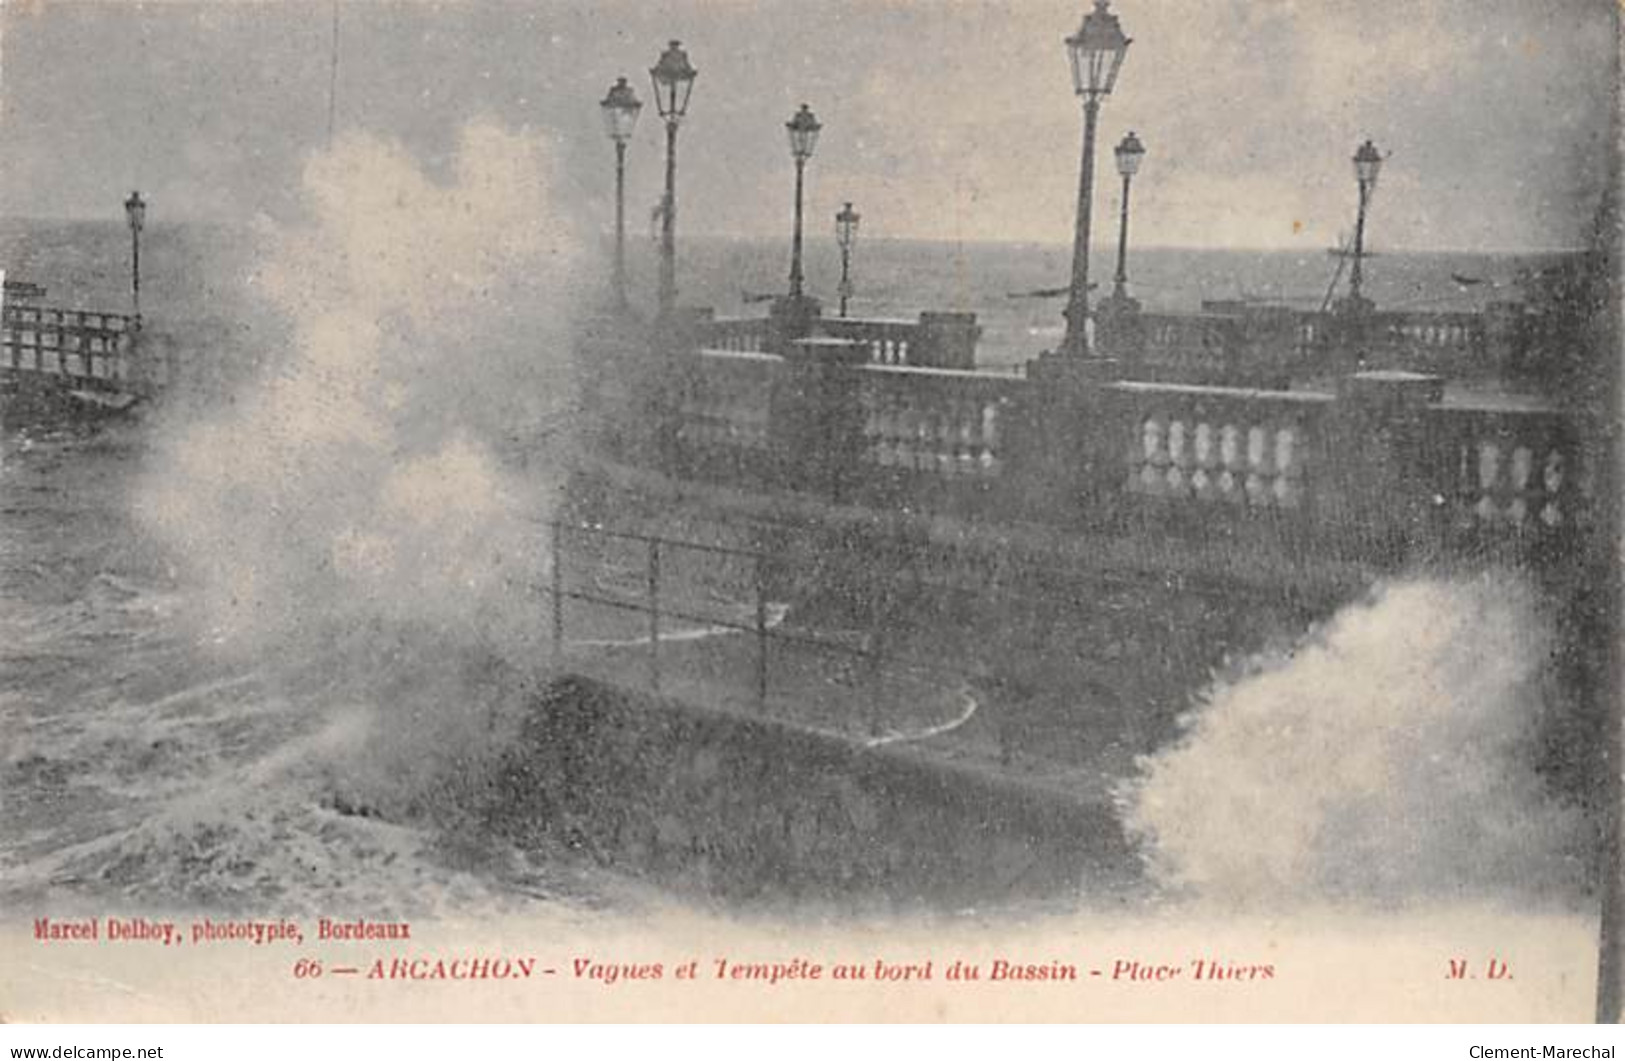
(743,808)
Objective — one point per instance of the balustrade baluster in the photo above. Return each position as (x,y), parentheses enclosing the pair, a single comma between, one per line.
(987,458)
(967,444)
(1257,468)
(1518,480)
(945,436)
(883,430)
(924,441)
(1551,480)
(1489,476)
(1288,471)
(903,447)
(1177,458)
(1151,469)
(1202,478)
(1230,459)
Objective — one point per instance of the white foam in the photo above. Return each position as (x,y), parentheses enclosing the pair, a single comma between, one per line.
(1388,756)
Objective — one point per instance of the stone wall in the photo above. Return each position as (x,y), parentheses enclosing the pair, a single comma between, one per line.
(743,808)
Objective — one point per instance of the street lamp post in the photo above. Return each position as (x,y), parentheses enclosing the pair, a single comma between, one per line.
(673,80)
(1097,52)
(803,129)
(135,210)
(620,109)
(1129,154)
(1367,163)
(846,234)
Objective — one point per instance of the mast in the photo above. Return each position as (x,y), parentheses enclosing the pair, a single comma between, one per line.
(333,77)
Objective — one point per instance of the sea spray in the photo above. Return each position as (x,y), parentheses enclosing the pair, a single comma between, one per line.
(345,516)
(1388,757)
(356,478)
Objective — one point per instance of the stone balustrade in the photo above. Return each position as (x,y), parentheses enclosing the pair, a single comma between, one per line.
(934,340)
(1507,469)
(1239,344)
(1227,344)
(1192,337)
(1232,349)
(1452,345)
(938,422)
(729,401)
(739,334)
(889,342)
(1463,332)
(1396,333)
(1365,463)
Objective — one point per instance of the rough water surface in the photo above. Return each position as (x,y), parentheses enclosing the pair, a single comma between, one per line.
(149,762)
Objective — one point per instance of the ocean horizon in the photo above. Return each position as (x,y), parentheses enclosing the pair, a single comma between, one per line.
(198,277)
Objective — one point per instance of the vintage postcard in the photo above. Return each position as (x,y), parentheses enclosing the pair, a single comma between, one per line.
(846,511)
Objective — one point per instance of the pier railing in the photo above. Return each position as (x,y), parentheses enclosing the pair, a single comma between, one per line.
(88,349)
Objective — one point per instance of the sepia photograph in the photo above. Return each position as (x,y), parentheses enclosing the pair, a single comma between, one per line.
(839,511)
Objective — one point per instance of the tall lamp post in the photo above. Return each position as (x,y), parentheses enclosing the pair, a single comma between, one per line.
(803,129)
(673,80)
(1097,52)
(846,234)
(1129,154)
(135,210)
(1367,163)
(620,109)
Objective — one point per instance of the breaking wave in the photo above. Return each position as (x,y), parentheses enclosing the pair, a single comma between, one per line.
(1388,757)
(317,615)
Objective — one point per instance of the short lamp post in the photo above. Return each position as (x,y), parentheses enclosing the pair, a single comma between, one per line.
(803,129)
(1130,152)
(1096,51)
(1367,163)
(673,80)
(846,235)
(135,211)
(620,109)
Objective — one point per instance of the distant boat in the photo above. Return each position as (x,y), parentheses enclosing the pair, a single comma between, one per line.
(1043,292)
(1466,281)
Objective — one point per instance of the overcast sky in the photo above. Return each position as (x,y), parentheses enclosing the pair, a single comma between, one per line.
(942,119)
